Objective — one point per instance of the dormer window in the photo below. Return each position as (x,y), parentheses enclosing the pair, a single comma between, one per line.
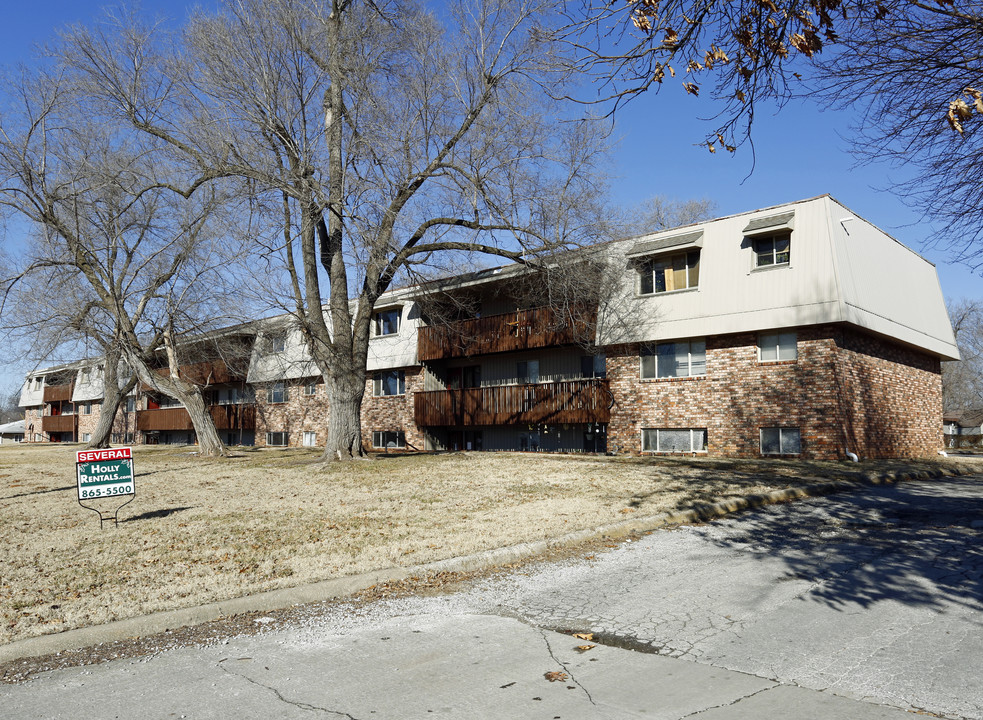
(386,322)
(772,249)
(278,342)
(771,239)
(680,271)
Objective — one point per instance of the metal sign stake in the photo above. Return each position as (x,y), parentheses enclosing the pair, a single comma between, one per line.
(105,474)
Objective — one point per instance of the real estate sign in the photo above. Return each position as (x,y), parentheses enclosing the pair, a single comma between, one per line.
(105,473)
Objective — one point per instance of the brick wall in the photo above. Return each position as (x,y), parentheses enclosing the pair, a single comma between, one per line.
(298,414)
(392,412)
(32,417)
(844,388)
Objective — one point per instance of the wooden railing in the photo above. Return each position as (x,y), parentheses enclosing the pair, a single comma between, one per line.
(521,330)
(213,372)
(58,393)
(572,401)
(58,423)
(226,417)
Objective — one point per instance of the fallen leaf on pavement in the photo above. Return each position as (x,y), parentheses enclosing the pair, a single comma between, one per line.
(584,636)
(555,675)
(585,648)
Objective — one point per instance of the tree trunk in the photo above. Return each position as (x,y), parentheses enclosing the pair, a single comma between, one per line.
(345,393)
(209,443)
(112,396)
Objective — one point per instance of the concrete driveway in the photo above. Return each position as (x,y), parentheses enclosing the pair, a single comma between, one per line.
(860,605)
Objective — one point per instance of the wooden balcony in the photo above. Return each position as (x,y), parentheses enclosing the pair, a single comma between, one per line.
(213,372)
(226,417)
(572,401)
(521,330)
(58,423)
(58,393)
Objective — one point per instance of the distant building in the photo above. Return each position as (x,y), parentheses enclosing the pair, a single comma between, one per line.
(799,330)
(12,432)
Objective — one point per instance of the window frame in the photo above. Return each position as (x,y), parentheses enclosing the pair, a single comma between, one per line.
(271,393)
(777,336)
(381,436)
(284,435)
(277,342)
(652,350)
(379,323)
(782,430)
(657,435)
(310,389)
(667,261)
(772,237)
(593,366)
(379,383)
(309,435)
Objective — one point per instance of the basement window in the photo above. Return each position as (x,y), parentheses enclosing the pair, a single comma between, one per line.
(388,439)
(780,441)
(674,440)
(276,439)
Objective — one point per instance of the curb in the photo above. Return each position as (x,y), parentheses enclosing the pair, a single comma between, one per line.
(340,587)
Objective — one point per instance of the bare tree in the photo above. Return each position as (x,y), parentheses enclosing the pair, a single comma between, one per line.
(962,380)
(118,249)
(382,135)
(912,70)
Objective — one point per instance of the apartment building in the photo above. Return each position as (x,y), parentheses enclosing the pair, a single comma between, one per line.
(799,330)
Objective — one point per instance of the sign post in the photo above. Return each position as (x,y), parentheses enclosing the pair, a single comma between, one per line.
(105,474)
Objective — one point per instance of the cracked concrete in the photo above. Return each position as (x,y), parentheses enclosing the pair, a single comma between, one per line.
(845,607)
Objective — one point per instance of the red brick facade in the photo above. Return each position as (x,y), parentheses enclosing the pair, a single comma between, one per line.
(394,412)
(297,414)
(844,391)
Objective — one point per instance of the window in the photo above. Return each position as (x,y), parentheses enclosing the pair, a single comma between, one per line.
(388,439)
(670,272)
(86,437)
(87,408)
(772,249)
(392,382)
(37,383)
(310,389)
(235,395)
(593,366)
(780,441)
(777,346)
(674,360)
(68,409)
(310,438)
(386,322)
(672,440)
(527,372)
(131,404)
(276,393)
(278,439)
(277,342)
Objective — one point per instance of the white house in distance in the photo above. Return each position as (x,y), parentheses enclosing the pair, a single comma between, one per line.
(798,330)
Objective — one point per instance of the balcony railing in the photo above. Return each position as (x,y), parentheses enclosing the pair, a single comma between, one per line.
(521,330)
(58,393)
(226,417)
(58,423)
(213,372)
(572,401)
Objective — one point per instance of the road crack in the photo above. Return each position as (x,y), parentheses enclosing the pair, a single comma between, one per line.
(295,703)
(731,703)
(566,668)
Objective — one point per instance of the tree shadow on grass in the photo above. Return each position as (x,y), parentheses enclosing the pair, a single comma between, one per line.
(912,543)
(38,492)
(157,514)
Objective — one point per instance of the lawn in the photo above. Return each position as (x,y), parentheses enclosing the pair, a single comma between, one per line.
(201,530)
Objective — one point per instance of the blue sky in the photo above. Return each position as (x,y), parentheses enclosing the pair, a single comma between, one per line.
(800,152)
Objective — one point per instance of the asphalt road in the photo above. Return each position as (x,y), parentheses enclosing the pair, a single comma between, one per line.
(859,605)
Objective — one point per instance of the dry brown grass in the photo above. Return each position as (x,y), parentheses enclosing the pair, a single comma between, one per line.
(201,530)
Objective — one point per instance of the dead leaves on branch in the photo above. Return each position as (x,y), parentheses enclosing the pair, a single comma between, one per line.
(961,110)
